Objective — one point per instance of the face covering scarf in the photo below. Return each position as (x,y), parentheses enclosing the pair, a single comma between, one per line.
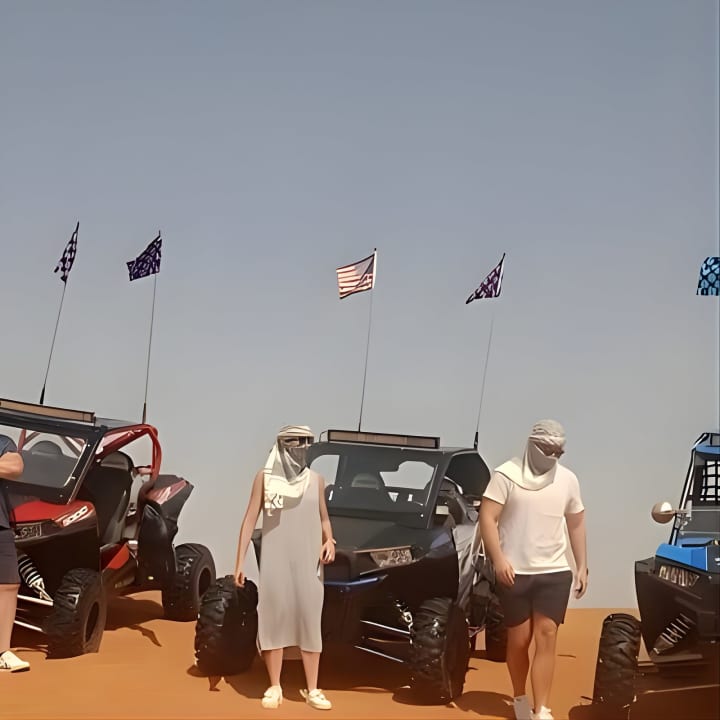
(286,473)
(536,469)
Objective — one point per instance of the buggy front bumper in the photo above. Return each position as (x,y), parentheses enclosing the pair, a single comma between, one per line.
(678,623)
(344,604)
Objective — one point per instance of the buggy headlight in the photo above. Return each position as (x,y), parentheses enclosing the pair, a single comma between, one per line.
(392,557)
(678,576)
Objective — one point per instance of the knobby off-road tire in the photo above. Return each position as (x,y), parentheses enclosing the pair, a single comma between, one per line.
(194,573)
(439,650)
(495,631)
(226,628)
(617,661)
(76,623)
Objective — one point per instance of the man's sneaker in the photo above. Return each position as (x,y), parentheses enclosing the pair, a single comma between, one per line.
(11,662)
(316,699)
(542,714)
(521,705)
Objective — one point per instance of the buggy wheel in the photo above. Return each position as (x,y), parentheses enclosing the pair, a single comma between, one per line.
(616,665)
(226,628)
(495,631)
(194,573)
(77,621)
(439,650)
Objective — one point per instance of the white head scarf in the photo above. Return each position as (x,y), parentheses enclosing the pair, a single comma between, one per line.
(284,475)
(536,470)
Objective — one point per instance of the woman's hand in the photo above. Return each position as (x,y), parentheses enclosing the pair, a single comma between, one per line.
(239,578)
(327,552)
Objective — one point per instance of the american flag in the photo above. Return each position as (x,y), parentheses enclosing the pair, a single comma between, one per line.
(357,277)
(490,286)
(147,262)
(68,257)
(709,281)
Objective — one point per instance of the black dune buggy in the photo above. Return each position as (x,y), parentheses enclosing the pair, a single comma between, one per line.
(78,537)
(678,594)
(408,582)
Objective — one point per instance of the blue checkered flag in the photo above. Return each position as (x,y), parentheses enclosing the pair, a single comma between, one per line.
(68,257)
(709,281)
(147,262)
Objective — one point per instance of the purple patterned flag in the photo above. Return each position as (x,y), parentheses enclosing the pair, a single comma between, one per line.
(490,286)
(147,262)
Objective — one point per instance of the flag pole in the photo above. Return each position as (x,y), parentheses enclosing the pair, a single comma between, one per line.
(147,371)
(490,287)
(52,344)
(482,387)
(367,343)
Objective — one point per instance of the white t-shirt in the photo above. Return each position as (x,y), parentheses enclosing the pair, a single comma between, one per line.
(532,528)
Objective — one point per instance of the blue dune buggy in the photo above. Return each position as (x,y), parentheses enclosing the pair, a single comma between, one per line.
(678,594)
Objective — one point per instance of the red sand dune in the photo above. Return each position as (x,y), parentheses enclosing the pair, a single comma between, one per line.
(145,670)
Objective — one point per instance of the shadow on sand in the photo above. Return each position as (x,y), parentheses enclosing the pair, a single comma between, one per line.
(133,613)
(348,669)
(123,612)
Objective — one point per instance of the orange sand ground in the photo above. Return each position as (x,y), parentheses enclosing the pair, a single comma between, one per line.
(145,670)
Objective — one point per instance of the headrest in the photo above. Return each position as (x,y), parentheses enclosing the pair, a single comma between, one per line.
(367,480)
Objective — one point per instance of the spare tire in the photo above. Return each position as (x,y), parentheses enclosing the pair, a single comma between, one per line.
(439,650)
(495,631)
(616,665)
(226,628)
(194,573)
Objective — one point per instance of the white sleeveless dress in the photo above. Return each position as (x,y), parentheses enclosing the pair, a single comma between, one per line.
(291,592)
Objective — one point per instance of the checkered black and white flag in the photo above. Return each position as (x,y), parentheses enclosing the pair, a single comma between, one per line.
(68,257)
(147,262)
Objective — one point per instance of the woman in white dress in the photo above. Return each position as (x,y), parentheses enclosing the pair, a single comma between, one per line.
(296,542)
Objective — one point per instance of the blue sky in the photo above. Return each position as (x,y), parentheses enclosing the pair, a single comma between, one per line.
(274,141)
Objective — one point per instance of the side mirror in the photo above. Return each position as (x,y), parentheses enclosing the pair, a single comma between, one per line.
(662,512)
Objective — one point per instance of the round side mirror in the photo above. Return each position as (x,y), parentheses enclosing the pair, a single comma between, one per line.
(662,512)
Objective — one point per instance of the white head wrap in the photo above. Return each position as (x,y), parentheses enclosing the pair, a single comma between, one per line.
(284,475)
(535,470)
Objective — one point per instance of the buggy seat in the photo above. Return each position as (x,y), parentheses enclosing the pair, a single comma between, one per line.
(107,486)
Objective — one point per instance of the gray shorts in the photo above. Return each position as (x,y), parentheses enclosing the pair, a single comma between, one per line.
(8,558)
(545,594)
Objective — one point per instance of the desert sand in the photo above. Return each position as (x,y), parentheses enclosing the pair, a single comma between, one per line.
(145,669)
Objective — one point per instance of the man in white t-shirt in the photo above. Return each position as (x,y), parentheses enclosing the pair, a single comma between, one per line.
(529,509)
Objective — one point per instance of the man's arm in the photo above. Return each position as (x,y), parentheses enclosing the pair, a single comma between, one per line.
(11,466)
(578,543)
(490,512)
